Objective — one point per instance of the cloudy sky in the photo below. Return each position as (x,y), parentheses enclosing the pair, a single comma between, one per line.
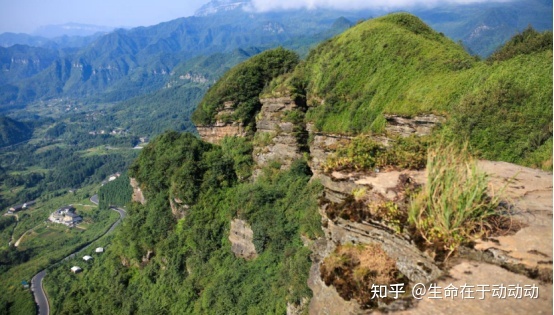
(27,15)
(266,5)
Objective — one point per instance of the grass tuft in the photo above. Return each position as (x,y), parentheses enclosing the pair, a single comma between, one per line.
(452,209)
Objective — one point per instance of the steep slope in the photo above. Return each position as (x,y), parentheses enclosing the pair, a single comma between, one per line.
(19,62)
(234,100)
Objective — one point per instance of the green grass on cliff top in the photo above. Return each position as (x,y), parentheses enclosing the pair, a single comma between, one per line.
(398,65)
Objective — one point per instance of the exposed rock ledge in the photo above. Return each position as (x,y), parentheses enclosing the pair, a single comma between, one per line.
(420,125)
(284,139)
(222,127)
(138,196)
(241,236)
(523,258)
(215,133)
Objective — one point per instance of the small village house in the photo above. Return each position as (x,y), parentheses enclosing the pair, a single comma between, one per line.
(18,208)
(76,269)
(66,215)
(99,250)
(87,258)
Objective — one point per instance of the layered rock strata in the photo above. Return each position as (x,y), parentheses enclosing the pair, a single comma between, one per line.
(280,134)
(420,125)
(222,127)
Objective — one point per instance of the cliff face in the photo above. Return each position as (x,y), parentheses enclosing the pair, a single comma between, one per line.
(280,132)
(241,236)
(138,196)
(223,126)
(178,208)
(362,209)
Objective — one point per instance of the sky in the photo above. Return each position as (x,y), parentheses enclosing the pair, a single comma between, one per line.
(267,5)
(25,16)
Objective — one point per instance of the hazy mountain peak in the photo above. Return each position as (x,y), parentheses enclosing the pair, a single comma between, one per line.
(217,6)
(71,29)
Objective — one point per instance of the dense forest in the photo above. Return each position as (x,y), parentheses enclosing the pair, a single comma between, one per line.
(115,193)
(12,132)
(189,260)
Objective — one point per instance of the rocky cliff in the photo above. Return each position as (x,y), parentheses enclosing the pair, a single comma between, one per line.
(241,237)
(280,132)
(138,196)
(352,213)
(366,209)
(222,127)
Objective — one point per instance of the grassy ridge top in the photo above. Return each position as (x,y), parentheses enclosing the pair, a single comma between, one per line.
(396,64)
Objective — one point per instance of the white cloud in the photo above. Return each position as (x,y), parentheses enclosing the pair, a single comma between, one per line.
(269,5)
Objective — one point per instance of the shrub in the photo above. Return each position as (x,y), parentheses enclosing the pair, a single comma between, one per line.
(452,209)
(363,154)
(527,42)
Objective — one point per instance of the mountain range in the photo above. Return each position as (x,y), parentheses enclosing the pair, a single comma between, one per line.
(126,63)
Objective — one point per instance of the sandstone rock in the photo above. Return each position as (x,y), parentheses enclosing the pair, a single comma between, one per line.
(411,262)
(321,146)
(241,236)
(215,133)
(284,137)
(222,127)
(326,299)
(475,273)
(529,191)
(421,125)
(137,192)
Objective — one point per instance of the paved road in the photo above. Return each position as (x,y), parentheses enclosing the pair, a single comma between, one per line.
(40,296)
(36,282)
(94,199)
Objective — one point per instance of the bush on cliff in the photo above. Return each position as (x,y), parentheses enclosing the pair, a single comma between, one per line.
(242,86)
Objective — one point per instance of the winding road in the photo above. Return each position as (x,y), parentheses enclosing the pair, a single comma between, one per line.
(36,282)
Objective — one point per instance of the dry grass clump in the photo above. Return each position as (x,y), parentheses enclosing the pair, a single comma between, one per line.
(453,207)
(353,269)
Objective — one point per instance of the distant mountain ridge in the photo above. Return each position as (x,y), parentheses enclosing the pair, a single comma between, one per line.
(71,29)
(125,63)
(218,6)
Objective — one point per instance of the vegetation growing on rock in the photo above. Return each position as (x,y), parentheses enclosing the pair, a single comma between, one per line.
(354,269)
(242,86)
(189,262)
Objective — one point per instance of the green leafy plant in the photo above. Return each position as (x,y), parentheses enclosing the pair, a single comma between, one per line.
(364,153)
